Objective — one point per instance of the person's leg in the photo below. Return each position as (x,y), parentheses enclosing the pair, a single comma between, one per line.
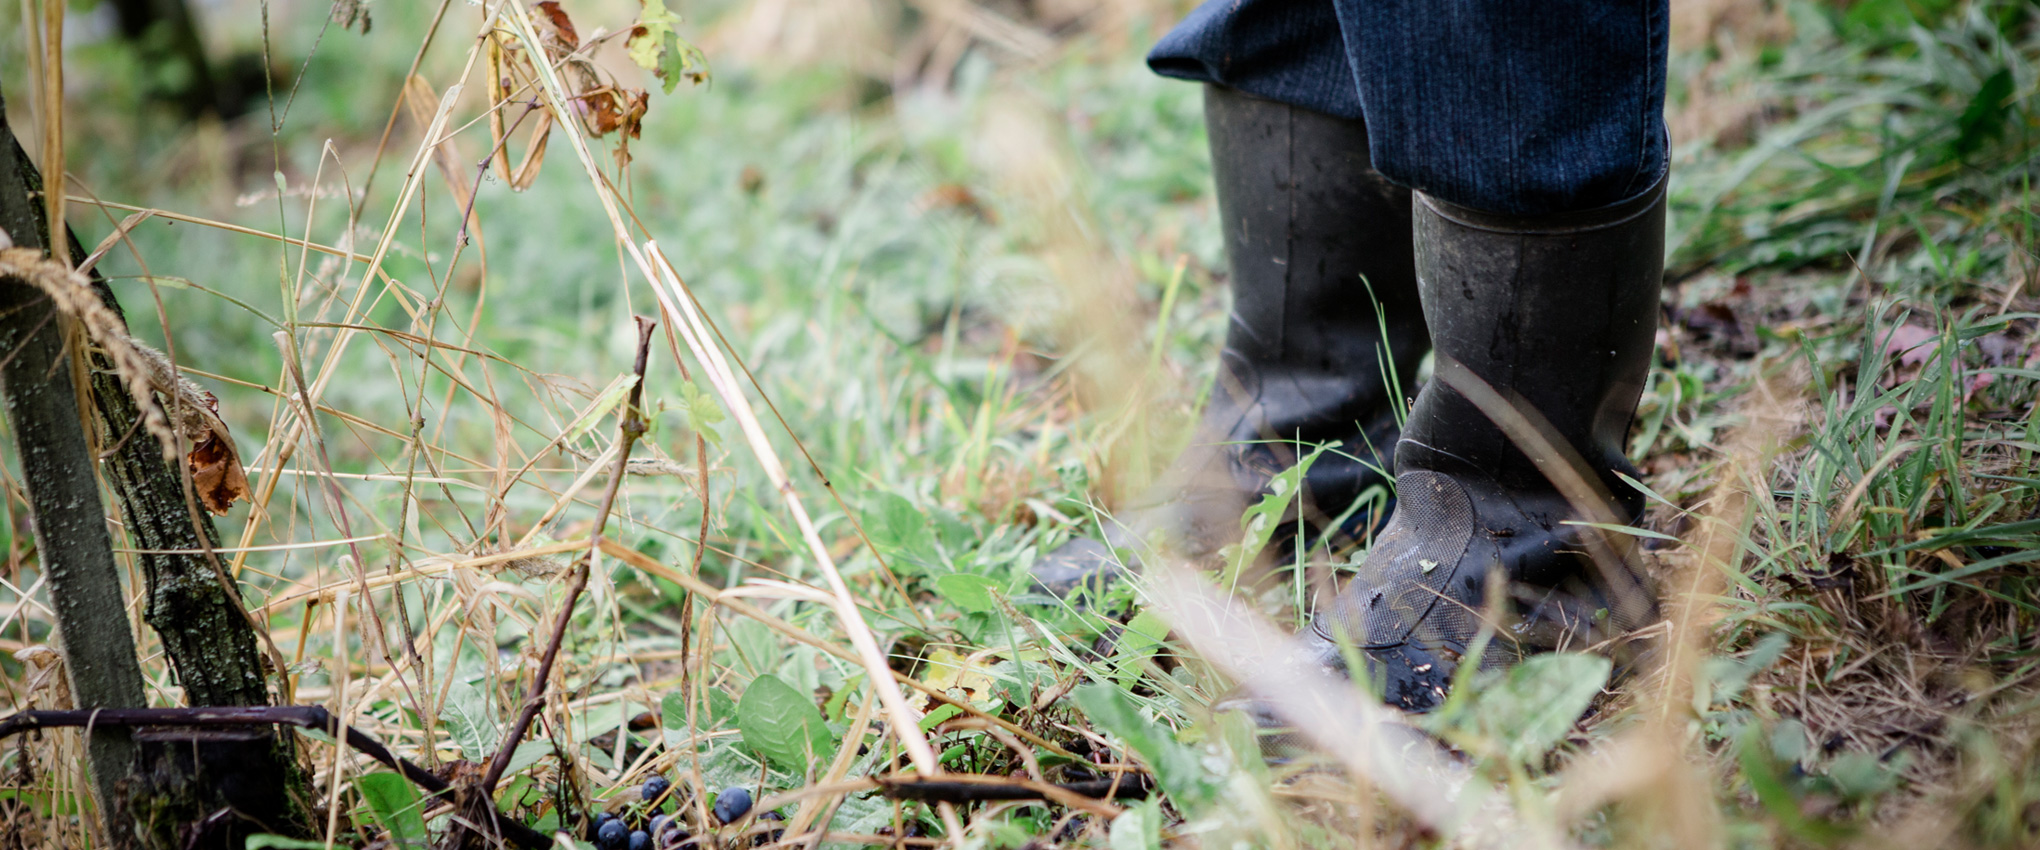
(1512,107)
(1281,50)
(1315,237)
(1534,135)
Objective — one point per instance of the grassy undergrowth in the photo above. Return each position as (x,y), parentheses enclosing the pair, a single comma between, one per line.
(982,292)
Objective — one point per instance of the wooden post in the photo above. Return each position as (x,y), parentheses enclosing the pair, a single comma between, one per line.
(45,419)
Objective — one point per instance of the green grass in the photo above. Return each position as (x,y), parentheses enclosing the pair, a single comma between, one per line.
(903,298)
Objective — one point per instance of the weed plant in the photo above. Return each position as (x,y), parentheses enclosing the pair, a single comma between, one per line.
(979,298)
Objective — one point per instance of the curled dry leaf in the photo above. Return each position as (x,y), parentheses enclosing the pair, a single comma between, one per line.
(602,107)
(556,28)
(216,472)
(512,79)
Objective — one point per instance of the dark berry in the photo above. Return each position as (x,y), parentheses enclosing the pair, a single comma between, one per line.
(654,788)
(613,835)
(672,838)
(595,824)
(667,833)
(640,840)
(732,804)
(771,835)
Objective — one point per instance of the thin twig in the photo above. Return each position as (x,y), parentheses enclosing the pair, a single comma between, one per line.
(628,431)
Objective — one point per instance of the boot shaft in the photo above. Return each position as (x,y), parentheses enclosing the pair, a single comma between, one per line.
(1306,218)
(1556,313)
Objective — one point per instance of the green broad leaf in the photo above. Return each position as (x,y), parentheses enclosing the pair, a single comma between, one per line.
(1723,679)
(896,526)
(717,710)
(940,715)
(1179,767)
(1143,633)
(648,39)
(1139,827)
(783,724)
(972,593)
(1015,681)
(1771,782)
(655,45)
(673,710)
(1137,643)
(1533,707)
(1987,114)
(721,709)
(526,755)
(701,412)
(467,717)
(396,806)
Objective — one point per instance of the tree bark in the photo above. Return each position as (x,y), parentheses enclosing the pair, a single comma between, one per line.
(45,419)
(194,608)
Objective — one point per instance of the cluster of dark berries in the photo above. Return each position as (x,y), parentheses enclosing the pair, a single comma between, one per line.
(613,833)
(661,831)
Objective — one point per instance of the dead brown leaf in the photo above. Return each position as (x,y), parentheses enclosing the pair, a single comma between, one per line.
(555,26)
(217,474)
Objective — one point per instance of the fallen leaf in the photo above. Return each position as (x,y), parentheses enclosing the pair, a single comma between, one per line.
(968,678)
(1914,345)
(954,196)
(1714,318)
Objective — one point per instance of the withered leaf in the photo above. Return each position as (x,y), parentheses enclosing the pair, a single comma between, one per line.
(216,472)
(558,25)
(634,117)
(602,110)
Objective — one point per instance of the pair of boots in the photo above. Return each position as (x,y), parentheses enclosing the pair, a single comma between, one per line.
(1556,315)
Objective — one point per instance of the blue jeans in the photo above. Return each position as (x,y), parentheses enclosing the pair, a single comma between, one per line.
(1523,107)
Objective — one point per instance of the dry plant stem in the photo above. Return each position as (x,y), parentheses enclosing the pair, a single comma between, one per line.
(840,765)
(674,301)
(628,431)
(536,699)
(856,525)
(413,178)
(309,417)
(381,145)
(52,79)
(1337,717)
(1613,553)
(969,788)
(905,723)
(221,225)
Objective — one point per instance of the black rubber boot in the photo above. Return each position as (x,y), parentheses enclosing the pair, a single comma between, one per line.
(1306,358)
(1558,315)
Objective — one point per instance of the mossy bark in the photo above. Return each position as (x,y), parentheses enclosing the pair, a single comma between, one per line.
(194,608)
